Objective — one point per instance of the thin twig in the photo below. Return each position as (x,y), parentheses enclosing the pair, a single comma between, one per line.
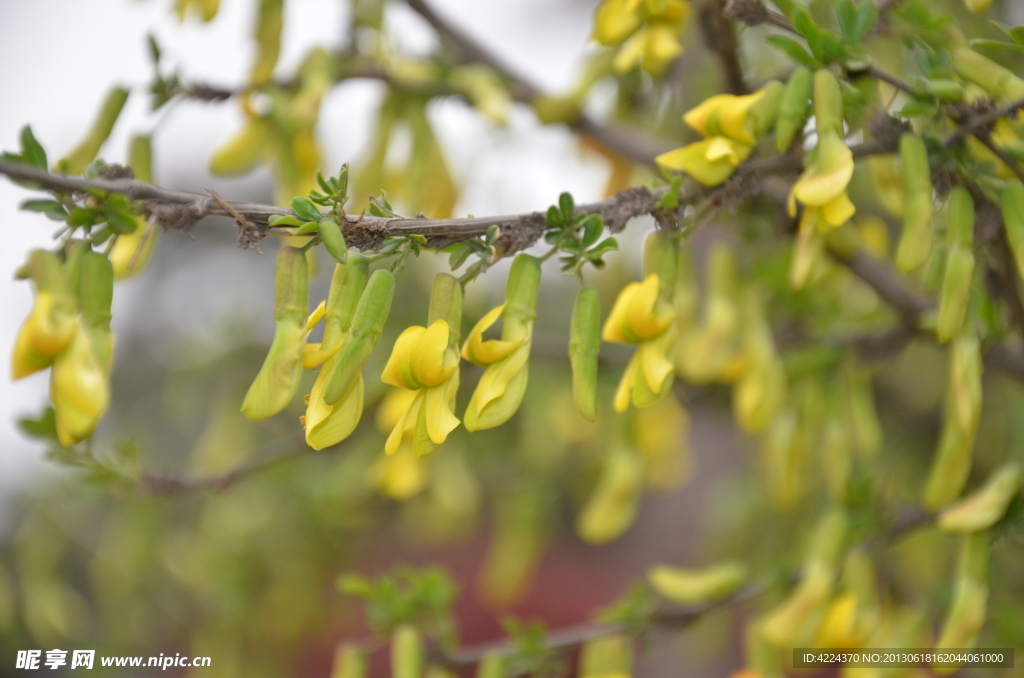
(982,121)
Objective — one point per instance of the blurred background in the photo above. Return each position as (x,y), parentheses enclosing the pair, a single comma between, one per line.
(193,559)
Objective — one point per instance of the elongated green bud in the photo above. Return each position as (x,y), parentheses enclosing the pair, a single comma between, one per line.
(952,463)
(140,157)
(611,507)
(765,112)
(102,126)
(446,305)
(278,380)
(1011,200)
(961,219)
(784,453)
(291,285)
(695,587)
(268,39)
(349,662)
(790,620)
(406,652)
(521,297)
(987,505)
(967,614)
(491,666)
(660,258)
(999,82)
(333,240)
(863,417)
(956,288)
(241,152)
(794,108)
(367,326)
(837,462)
(828,103)
(944,89)
(584,345)
(916,240)
(606,656)
(347,285)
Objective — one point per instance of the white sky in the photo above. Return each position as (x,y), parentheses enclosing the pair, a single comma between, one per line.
(59,57)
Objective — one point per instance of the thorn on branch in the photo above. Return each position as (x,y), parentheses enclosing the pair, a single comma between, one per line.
(248,235)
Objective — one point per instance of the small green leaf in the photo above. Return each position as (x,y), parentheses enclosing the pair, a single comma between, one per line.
(154,49)
(41,205)
(867,17)
(284,220)
(566,207)
(593,226)
(31,149)
(554,217)
(44,427)
(459,255)
(1017,35)
(307,228)
(846,16)
(811,32)
(831,48)
(305,209)
(794,49)
(986,43)
(122,222)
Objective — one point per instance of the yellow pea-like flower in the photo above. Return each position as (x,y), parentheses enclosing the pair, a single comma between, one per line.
(640,317)
(822,186)
(981,510)
(501,388)
(423,362)
(78,389)
(612,506)
(52,322)
(648,30)
(616,20)
(730,129)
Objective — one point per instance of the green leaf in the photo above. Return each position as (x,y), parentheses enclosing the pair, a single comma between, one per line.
(41,205)
(284,220)
(566,207)
(31,149)
(794,49)
(305,209)
(867,17)
(831,48)
(846,16)
(986,43)
(811,32)
(122,222)
(154,49)
(44,427)
(459,255)
(554,217)
(1017,35)
(593,227)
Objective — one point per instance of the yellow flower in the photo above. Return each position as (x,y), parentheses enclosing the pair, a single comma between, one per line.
(639,317)
(423,362)
(501,388)
(325,424)
(650,30)
(726,123)
(47,330)
(822,186)
(78,389)
(132,251)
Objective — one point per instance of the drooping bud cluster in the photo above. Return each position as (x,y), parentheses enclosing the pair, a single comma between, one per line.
(68,329)
(648,31)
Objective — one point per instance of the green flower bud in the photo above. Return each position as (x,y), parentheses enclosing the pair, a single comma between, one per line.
(102,126)
(491,666)
(611,507)
(999,82)
(140,157)
(278,380)
(584,345)
(765,112)
(970,599)
(446,305)
(240,153)
(367,326)
(916,240)
(794,108)
(333,240)
(952,463)
(406,652)
(1011,199)
(607,656)
(696,587)
(660,258)
(349,662)
(944,89)
(828,102)
(956,288)
(987,505)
